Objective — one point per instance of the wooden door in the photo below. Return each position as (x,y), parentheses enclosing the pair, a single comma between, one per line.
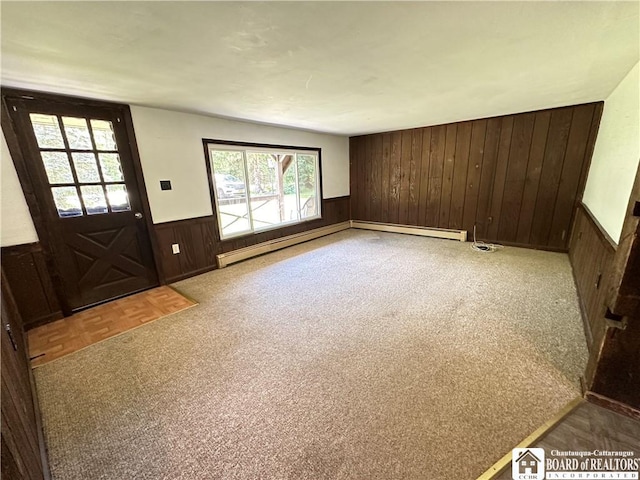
(21,439)
(79,161)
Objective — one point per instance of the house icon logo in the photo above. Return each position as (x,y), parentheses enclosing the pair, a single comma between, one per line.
(527,464)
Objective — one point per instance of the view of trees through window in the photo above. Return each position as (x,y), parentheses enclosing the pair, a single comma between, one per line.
(261,189)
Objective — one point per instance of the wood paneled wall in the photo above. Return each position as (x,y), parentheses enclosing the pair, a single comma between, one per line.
(199,244)
(518,178)
(613,367)
(26,271)
(591,255)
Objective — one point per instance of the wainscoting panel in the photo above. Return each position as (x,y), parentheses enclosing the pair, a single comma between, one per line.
(591,254)
(26,271)
(199,241)
(518,178)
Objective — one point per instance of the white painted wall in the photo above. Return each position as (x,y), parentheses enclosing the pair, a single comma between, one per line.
(616,155)
(170,145)
(17,227)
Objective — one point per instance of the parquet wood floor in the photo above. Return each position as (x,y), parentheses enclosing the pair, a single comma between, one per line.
(57,339)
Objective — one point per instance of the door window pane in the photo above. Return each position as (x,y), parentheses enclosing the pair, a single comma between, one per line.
(230,188)
(118,198)
(67,201)
(56,164)
(103,135)
(93,198)
(47,130)
(307,176)
(77,133)
(86,167)
(111,167)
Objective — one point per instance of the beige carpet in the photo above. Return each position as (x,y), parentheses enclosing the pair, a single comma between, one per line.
(356,356)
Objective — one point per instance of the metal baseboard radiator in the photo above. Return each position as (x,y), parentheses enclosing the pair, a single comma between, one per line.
(228,258)
(412,230)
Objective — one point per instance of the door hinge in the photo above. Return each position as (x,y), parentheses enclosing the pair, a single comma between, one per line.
(7,327)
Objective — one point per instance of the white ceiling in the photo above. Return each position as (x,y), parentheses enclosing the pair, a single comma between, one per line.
(346,68)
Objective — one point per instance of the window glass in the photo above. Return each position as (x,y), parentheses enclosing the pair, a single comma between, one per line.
(307,179)
(118,198)
(67,201)
(257,189)
(46,130)
(103,135)
(93,198)
(56,164)
(77,133)
(231,192)
(86,167)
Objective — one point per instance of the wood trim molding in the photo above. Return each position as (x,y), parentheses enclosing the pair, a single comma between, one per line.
(612,404)
(600,229)
(503,464)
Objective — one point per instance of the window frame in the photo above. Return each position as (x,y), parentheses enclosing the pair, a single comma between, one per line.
(230,145)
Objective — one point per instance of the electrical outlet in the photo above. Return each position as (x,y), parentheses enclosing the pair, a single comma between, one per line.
(175,248)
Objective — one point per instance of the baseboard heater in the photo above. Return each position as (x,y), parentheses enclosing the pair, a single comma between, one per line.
(412,230)
(225,259)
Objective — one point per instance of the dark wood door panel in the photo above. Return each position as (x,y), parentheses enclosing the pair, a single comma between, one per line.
(78,162)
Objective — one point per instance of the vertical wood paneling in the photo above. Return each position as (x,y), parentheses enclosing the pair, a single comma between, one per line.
(447,174)
(425,166)
(415,166)
(476,150)
(25,269)
(497,195)
(570,177)
(436,167)
(550,176)
(460,170)
(591,254)
(487,176)
(362,187)
(532,179)
(516,178)
(385,173)
(405,174)
(368,173)
(354,182)
(394,177)
(376,167)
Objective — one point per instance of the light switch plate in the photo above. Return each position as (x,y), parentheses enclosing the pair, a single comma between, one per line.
(175,248)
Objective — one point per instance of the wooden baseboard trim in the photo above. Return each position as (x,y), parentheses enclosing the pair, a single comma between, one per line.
(225,259)
(460,235)
(501,465)
(193,273)
(611,404)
